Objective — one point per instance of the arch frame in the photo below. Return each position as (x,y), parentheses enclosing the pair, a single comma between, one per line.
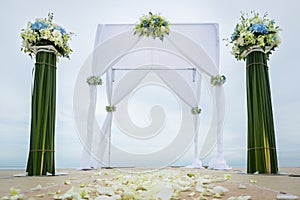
(100,62)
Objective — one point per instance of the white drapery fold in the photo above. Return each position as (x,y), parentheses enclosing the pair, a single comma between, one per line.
(111,51)
(105,132)
(219,163)
(114,95)
(191,97)
(86,152)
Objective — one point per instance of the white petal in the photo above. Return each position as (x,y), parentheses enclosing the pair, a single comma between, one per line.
(104,197)
(286,196)
(38,187)
(199,188)
(242,186)
(220,189)
(105,191)
(165,193)
(192,194)
(240,198)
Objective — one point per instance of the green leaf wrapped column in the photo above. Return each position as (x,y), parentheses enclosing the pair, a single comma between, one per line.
(262,155)
(41,153)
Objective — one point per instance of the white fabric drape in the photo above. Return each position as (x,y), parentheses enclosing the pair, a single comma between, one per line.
(87,157)
(219,162)
(191,97)
(114,45)
(114,95)
(86,152)
(105,131)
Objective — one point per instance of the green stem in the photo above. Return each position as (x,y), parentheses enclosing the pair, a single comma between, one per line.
(262,155)
(41,155)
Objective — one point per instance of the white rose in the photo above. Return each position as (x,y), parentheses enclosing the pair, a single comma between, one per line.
(45,34)
(57,37)
(240,40)
(56,34)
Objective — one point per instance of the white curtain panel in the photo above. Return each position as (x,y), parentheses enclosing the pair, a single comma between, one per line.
(189,46)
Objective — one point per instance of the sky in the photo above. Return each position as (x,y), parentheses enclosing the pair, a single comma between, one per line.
(82,17)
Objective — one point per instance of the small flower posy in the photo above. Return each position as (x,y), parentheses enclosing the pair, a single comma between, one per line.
(152,25)
(94,80)
(252,32)
(44,32)
(196,110)
(110,108)
(217,80)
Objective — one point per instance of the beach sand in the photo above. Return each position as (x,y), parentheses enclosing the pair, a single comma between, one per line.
(258,186)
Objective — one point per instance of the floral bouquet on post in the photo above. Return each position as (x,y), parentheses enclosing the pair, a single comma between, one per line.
(254,32)
(45,41)
(253,40)
(44,32)
(152,25)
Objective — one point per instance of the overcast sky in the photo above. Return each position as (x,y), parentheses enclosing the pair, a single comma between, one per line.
(82,18)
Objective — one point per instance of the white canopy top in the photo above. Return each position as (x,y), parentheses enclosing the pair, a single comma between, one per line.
(196,45)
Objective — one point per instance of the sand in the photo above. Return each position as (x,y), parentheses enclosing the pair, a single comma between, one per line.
(258,186)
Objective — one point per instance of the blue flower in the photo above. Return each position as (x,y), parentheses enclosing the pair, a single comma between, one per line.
(259,28)
(165,23)
(234,34)
(37,25)
(62,30)
(145,23)
(156,20)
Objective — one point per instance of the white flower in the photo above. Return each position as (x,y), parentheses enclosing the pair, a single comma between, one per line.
(56,34)
(240,40)
(45,34)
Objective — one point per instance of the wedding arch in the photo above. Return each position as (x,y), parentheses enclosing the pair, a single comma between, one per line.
(185,58)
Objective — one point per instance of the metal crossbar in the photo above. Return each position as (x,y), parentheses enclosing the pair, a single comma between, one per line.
(155,69)
(139,69)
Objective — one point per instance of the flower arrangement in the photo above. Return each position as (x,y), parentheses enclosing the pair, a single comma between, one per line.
(217,80)
(152,25)
(110,108)
(44,32)
(94,80)
(196,110)
(254,32)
